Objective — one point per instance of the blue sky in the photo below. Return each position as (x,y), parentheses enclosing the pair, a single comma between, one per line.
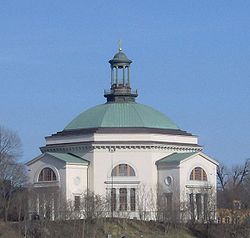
(190,61)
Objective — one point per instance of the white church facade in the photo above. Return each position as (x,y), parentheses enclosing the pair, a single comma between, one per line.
(129,152)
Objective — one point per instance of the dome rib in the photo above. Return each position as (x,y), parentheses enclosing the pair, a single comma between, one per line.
(138,115)
(106,111)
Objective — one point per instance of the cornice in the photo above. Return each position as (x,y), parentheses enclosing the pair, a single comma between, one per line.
(122,182)
(111,130)
(115,147)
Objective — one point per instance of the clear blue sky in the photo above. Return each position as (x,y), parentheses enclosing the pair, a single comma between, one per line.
(191,60)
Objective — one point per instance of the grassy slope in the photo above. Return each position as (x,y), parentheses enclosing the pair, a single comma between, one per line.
(137,229)
(117,227)
(6,231)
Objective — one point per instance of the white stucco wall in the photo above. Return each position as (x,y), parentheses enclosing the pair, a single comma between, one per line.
(76,180)
(173,172)
(140,151)
(123,137)
(104,160)
(89,157)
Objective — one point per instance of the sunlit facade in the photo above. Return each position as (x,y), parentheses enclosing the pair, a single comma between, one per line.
(134,155)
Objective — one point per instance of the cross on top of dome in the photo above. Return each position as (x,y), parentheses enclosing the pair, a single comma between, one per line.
(120,45)
(120,59)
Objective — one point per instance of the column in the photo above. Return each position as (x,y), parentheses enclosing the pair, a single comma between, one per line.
(37,203)
(202,207)
(52,207)
(44,206)
(128,199)
(112,76)
(59,203)
(123,79)
(195,206)
(128,76)
(117,199)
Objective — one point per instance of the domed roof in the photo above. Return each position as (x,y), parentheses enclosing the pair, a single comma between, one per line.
(121,115)
(120,55)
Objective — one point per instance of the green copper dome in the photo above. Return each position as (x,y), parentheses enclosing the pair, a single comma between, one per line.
(121,115)
(120,57)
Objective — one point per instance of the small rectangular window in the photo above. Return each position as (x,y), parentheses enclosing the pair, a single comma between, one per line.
(77,203)
(169,202)
(132,199)
(123,199)
(198,205)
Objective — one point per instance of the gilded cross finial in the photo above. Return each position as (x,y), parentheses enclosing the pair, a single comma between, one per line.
(120,45)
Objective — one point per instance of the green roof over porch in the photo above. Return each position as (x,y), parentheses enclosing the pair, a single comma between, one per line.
(175,158)
(68,158)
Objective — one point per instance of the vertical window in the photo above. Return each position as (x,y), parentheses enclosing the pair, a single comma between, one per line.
(113,199)
(77,203)
(169,202)
(123,199)
(132,199)
(198,205)
(47,174)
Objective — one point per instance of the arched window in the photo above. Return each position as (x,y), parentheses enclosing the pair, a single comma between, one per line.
(198,174)
(123,170)
(47,174)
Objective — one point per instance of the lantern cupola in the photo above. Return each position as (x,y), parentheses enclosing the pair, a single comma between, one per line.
(120,90)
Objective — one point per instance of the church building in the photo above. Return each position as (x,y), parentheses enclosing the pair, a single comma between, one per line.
(128,152)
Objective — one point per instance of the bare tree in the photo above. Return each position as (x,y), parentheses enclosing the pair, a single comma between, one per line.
(233,185)
(146,202)
(93,209)
(12,173)
(10,146)
(222,175)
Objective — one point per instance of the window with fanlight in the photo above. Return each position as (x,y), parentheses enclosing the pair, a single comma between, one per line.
(47,174)
(198,174)
(123,170)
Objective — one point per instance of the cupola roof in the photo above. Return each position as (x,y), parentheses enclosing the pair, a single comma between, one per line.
(120,57)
